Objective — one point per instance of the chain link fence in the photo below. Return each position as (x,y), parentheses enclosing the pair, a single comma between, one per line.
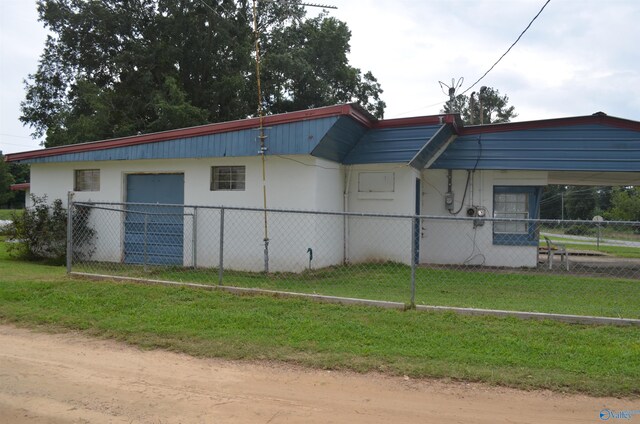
(566,267)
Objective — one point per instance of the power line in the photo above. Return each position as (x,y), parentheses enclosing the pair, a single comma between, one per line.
(440,103)
(509,49)
(16,136)
(17,144)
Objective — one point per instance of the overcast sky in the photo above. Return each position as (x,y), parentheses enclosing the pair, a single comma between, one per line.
(578,57)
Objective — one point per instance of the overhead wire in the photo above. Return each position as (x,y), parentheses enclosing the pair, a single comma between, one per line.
(509,49)
(422,108)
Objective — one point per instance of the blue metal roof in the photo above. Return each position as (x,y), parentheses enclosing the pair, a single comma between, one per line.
(431,148)
(346,135)
(594,147)
(391,145)
(300,137)
(340,139)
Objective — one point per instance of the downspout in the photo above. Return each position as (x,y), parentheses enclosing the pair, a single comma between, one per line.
(345,218)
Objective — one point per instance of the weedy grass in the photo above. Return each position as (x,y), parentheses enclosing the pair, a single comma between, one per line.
(598,360)
(7,214)
(516,290)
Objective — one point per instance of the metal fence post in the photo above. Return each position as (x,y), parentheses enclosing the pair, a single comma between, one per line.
(221,264)
(145,241)
(194,238)
(69,230)
(414,260)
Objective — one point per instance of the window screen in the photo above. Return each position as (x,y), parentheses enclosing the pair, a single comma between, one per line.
(87,180)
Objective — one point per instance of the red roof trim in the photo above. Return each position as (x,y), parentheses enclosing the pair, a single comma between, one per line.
(550,123)
(418,120)
(20,187)
(284,118)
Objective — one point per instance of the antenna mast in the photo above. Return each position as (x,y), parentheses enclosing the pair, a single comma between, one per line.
(451,92)
(261,134)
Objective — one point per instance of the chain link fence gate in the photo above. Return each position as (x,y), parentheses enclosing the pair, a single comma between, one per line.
(562,267)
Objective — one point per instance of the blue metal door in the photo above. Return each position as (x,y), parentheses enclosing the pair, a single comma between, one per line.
(154,234)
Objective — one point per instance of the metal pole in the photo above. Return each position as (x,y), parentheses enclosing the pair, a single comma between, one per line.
(69,230)
(266,256)
(414,235)
(221,265)
(262,136)
(145,242)
(194,237)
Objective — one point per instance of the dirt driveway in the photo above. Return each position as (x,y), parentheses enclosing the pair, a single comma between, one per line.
(69,378)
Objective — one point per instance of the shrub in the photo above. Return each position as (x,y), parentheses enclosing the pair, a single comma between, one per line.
(40,232)
(581,230)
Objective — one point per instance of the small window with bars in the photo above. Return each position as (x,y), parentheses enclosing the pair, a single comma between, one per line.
(229,178)
(86,180)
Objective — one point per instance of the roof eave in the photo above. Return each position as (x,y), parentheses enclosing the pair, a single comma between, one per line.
(353,111)
(598,118)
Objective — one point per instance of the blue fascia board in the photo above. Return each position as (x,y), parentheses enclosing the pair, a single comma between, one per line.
(391,145)
(573,148)
(432,147)
(286,139)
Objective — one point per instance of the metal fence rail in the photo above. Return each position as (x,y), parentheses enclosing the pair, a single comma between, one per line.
(547,266)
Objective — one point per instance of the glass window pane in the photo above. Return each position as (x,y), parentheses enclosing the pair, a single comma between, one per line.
(512,206)
(86,180)
(228,178)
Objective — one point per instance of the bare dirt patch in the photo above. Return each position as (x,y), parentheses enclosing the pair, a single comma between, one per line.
(70,378)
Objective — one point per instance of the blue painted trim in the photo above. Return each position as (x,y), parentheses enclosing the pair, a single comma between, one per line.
(531,238)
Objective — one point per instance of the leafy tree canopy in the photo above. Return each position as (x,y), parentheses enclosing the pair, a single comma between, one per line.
(625,204)
(486,106)
(113,68)
(6,179)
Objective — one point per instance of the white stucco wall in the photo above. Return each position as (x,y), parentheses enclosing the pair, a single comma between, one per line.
(381,239)
(294,182)
(305,183)
(456,242)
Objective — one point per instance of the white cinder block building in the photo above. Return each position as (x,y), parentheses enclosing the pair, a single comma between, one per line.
(337,159)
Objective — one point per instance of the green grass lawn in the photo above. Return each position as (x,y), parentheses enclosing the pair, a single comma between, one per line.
(517,290)
(619,251)
(5,214)
(598,360)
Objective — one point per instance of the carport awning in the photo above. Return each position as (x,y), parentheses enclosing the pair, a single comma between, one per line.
(594,178)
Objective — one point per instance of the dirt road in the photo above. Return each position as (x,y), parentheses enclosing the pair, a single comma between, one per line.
(69,378)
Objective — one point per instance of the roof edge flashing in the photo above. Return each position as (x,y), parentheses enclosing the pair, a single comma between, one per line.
(354,111)
(597,118)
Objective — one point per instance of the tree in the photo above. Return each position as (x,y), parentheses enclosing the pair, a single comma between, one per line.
(120,67)
(580,202)
(625,204)
(6,179)
(552,202)
(306,65)
(485,107)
